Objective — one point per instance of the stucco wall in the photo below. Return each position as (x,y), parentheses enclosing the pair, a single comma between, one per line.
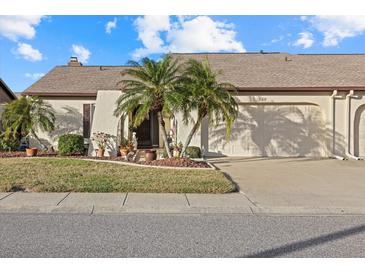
(105,121)
(69,118)
(357,129)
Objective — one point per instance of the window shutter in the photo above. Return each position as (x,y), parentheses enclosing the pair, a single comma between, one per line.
(86,120)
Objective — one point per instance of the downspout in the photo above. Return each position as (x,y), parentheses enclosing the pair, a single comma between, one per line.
(348,99)
(334,96)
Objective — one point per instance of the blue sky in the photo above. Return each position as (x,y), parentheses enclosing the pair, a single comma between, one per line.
(32,45)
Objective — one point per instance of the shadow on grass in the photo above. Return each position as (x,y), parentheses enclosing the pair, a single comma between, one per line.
(297,246)
(229,178)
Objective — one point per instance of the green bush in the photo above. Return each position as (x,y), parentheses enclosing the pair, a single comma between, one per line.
(8,143)
(193,152)
(164,153)
(69,144)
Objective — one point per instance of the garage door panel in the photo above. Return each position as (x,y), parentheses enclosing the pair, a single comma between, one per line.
(274,130)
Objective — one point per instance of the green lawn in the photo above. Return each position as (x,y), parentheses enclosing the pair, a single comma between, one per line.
(62,175)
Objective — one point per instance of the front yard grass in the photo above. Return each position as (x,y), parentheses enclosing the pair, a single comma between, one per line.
(63,175)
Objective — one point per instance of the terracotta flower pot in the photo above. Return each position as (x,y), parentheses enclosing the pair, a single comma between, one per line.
(31,152)
(150,155)
(124,151)
(100,153)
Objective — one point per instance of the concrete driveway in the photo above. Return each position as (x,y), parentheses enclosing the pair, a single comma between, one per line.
(298,182)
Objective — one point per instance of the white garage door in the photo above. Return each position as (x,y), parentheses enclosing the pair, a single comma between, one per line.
(274,130)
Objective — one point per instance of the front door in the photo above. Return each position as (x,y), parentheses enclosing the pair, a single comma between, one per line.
(147,132)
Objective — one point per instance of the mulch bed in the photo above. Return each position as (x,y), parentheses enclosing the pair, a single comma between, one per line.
(17,154)
(177,162)
(172,162)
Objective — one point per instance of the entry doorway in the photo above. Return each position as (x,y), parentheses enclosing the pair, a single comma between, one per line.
(147,132)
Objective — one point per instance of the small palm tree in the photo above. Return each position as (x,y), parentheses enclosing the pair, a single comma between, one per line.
(24,116)
(151,89)
(204,94)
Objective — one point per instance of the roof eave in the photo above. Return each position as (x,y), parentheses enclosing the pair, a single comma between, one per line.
(8,90)
(61,94)
(322,88)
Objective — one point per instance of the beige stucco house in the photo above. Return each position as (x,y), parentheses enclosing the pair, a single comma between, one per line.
(289,105)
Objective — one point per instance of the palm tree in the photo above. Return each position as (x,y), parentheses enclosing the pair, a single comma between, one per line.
(24,116)
(151,89)
(204,94)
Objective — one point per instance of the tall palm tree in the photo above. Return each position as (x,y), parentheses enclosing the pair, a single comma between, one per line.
(24,116)
(204,94)
(152,88)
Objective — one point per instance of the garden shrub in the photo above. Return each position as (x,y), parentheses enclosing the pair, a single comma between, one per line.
(70,144)
(193,152)
(164,153)
(8,143)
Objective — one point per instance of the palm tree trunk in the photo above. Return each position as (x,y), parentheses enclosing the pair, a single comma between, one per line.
(39,140)
(191,134)
(164,134)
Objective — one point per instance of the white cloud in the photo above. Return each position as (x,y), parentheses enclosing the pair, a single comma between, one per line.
(303,18)
(29,53)
(34,76)
(337,28)
(187,34)
(15,27)
(277,40)
(149,28)
(305,40)
(111,25)
(203,34)
(82,53)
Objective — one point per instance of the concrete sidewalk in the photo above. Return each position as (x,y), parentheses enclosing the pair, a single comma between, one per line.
(105,203)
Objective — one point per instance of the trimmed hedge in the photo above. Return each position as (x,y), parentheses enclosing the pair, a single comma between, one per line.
(193,152)
(70,144)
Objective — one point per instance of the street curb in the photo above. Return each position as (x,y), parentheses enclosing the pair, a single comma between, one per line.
(245,210)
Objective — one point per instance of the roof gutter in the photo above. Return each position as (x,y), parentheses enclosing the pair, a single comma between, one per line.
(61,94)
(322,88)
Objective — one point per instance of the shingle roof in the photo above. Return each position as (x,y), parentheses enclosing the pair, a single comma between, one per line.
(244,70)
(80,80)
(7,89)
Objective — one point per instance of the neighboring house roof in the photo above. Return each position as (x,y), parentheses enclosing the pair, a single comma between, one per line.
(7,90)
(247,71)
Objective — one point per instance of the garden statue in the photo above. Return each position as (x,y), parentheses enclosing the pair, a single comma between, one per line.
(134,140)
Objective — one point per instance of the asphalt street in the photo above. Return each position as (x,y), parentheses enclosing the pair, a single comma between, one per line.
(180,235)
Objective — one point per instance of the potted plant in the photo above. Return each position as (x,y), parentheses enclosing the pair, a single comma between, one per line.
(31,152)
(130,146)
(150,155)
(177,148)
(124,150)
(101,139)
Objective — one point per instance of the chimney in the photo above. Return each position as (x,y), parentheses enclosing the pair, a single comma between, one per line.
(74,62)
(287,59)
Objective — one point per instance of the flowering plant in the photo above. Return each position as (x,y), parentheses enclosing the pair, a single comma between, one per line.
(124,142)
(178,147)
(101,139)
